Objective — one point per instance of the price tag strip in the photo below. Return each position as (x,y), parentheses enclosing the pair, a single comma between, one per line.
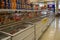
(44,20)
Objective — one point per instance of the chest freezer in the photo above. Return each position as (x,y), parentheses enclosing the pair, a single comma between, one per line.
(20,32)
(4,36)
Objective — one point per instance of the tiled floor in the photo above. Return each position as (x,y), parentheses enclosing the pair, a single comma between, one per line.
(53,32)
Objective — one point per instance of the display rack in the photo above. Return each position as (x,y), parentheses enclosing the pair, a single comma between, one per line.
(16,10)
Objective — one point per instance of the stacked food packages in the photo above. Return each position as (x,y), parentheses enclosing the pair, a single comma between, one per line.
(35,14)
(2,4)
(7,4)
(36,7)
(13,4)
(16,4)
(31,14)
(5,17)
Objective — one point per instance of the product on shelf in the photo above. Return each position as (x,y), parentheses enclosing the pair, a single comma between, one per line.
(36,14)
(8,4)
(16,4)
(23,6)
(29,14)
(13,5)
(36,7)
(2,4)
(6,17)
(18,16)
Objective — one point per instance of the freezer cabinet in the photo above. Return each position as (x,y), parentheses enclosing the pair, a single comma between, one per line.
(4,36)
(41,26)
(26,34)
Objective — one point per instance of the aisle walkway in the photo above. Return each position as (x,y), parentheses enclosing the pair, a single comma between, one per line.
(53,32)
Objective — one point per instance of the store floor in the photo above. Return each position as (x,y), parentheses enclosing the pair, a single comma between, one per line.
(53,32)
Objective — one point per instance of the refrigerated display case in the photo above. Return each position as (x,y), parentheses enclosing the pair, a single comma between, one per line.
(4,36)
(5,17)
(28,28)
(20,31)
(41,25)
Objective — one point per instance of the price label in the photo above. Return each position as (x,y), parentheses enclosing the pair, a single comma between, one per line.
(44,20)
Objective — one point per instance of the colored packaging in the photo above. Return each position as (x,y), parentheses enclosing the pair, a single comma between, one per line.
(18,6)
(2,6)
(18,1)
(13,5)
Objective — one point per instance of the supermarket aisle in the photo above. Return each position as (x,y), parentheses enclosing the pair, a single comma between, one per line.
(53,32)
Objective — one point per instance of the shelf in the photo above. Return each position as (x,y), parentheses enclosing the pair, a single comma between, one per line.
(16,10)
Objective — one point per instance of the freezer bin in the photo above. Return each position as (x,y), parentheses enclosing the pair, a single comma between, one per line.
(24,31)
(4,36)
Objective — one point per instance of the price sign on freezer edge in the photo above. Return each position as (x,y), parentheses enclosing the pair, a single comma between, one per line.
(44,20)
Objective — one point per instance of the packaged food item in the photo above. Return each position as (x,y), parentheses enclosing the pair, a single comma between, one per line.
(8,4)
(36,7)
(2,4)
(13,5)
(13,1)
(23,6)
(17,16)
(29,14)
